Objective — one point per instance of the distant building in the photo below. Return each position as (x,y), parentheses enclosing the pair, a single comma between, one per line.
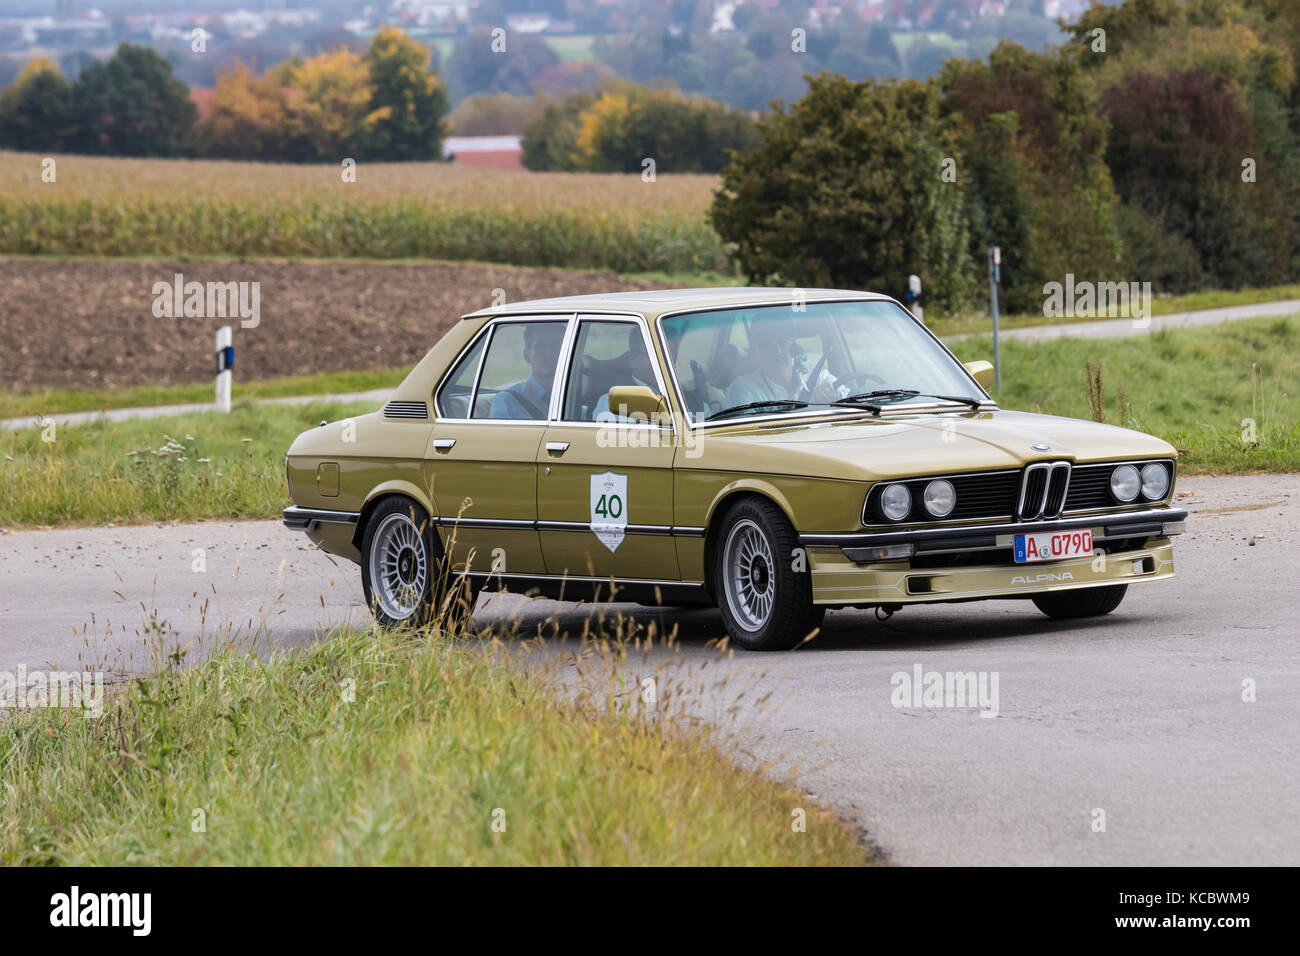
(201,97)
(488,152)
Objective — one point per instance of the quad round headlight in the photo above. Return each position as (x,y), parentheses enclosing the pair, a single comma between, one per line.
(1155,482)
(895,502)
(1125,482)
(940,498)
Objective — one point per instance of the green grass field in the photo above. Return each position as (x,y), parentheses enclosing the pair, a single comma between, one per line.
(375,748)
(1192,387)
(184,467)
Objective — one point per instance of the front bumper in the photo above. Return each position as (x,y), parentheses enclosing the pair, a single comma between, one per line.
(842,583)
(846,570)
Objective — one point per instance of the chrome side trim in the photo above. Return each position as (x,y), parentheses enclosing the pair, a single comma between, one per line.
(524,524)
(584,579)
(500,524)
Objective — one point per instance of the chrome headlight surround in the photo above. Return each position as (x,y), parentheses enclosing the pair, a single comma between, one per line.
(1125,483)
(939,498)
(895,501)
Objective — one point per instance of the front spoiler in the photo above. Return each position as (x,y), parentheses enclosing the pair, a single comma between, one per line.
(840,582)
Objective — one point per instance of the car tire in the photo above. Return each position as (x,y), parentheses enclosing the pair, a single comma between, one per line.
(1085,602)
(766,604)
(402,572)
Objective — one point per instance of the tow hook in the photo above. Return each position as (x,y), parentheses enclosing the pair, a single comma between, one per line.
(885,611)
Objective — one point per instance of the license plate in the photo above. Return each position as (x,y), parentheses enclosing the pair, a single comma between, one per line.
(1051,546)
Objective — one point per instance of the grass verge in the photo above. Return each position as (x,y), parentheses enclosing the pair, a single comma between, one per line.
(57,401)
(375,748)
(155,469)
(1199,389)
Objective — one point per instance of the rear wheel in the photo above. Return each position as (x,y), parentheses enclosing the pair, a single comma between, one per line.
(402,572)
(766,604)
(1085,602)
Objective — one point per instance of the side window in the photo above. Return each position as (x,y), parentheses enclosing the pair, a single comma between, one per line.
(519,370)
(607,354)
(455,394)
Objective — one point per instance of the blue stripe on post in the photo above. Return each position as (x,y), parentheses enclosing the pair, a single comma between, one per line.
(225,358)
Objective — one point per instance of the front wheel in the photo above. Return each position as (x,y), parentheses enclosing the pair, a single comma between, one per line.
(766,603)
(1085,602)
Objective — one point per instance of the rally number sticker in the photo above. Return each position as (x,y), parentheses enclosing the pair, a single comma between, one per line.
(609,508)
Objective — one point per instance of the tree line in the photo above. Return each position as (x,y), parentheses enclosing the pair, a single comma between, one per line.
(1160,143)
(381,105)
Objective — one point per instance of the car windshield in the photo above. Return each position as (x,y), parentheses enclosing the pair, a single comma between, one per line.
(772,359)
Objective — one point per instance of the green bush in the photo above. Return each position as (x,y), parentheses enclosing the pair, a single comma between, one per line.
(845,190)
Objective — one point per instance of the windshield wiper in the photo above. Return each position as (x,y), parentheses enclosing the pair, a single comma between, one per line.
(771,403)
(974,403)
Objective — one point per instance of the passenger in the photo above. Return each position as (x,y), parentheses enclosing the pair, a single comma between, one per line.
(529,400)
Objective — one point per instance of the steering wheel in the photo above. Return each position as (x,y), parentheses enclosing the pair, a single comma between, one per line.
(806,392)
(854,376)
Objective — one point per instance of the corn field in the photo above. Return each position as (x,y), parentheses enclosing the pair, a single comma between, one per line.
(146,207)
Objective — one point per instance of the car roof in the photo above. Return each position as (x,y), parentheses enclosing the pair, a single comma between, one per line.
(655,302)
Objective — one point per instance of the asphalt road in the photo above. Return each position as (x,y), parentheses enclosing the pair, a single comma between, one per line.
(1128,328)
(1139,715)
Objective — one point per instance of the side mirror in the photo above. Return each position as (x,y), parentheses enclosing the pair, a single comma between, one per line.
(639,403)
(982,372)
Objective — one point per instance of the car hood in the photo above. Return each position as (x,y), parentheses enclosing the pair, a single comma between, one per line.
(902,445)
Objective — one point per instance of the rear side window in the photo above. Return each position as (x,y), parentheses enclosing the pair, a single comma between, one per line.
(519,371)
(458,391)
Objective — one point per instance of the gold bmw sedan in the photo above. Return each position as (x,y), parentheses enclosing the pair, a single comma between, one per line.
(773,452)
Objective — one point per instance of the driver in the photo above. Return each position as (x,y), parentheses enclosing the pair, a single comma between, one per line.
(782,371)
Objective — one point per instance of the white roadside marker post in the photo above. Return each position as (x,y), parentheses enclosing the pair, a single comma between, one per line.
(995,276)
(225,362)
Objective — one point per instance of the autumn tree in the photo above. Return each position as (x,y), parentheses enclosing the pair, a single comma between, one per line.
(409,102)
(36,112)
(330,105)
(249,116)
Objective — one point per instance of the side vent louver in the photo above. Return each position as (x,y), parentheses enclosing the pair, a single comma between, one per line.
(406,410)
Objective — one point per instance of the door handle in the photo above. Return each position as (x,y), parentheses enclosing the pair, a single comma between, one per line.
(443,444)
(557,447)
